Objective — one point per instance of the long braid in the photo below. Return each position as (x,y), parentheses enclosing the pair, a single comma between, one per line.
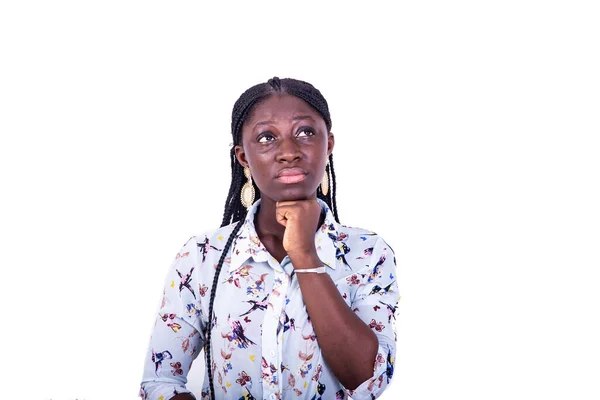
(213,293)
(234,211)
(232,189)
(333,192)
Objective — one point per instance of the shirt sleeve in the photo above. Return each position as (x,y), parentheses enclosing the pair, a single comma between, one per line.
(376,302)
(177,336)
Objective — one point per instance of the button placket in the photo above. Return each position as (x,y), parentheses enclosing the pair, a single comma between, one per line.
(271,344)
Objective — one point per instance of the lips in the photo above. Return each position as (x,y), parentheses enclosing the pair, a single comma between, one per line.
(291,175)
(291,172)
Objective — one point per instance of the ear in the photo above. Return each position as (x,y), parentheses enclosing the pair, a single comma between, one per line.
(330,143)
(240,154)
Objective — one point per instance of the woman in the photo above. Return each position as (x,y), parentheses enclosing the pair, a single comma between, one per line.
(301,307)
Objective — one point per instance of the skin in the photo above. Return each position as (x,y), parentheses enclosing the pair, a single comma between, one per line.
(282,132)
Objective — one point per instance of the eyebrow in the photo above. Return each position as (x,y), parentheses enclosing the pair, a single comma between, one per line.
(296,118)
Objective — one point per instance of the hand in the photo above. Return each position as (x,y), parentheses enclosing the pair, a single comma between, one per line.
(300,219)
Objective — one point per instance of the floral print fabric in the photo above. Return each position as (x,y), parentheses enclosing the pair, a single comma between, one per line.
(263,345)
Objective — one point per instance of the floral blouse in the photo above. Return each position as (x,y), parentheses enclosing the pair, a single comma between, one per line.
(263,344)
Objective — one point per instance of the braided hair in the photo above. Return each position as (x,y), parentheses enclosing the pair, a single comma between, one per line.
(234,210)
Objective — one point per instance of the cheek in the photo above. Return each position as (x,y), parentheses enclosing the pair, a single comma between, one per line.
(260,167)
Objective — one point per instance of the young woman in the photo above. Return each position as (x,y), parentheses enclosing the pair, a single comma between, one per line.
(286,302)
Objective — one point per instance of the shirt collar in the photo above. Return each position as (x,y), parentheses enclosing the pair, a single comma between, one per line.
(247,244)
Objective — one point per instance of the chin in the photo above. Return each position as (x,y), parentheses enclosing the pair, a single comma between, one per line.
(295,194)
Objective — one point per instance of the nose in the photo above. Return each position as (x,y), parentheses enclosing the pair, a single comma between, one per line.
(288,150)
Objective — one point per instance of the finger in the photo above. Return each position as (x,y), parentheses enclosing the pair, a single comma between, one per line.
(285,203)
(281,218)
(285,213)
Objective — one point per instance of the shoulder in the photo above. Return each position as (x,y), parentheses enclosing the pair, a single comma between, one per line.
(208,244)
(212,237)
(362,236)
(364,248)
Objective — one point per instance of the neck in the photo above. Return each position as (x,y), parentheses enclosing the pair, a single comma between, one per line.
(265,222)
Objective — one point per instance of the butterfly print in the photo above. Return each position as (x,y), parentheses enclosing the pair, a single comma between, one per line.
(270,367)
(202,289)
(243,378)
(225,355)
(173,325)
(176,368)
(304,356)
(353,280)
(378,326)
(166,317)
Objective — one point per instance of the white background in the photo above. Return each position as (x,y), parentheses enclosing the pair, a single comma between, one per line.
(467,136)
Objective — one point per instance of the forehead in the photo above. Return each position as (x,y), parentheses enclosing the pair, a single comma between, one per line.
(281,107)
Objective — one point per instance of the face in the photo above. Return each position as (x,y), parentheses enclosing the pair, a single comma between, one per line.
(285,143)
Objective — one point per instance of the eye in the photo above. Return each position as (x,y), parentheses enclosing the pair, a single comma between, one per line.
(265,137)
(304,132)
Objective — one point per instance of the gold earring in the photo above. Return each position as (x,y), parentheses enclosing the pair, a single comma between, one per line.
(325,181)
(247,195)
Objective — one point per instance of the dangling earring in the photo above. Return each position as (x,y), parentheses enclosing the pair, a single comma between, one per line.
(325,181)
(247,195)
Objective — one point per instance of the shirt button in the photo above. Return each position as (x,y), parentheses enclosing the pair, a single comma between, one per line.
(272,353)
(273,396)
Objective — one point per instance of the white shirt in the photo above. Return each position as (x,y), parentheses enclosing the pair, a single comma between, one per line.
(263,343)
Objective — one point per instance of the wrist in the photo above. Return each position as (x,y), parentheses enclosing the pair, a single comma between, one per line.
(318,270)
(305,261)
